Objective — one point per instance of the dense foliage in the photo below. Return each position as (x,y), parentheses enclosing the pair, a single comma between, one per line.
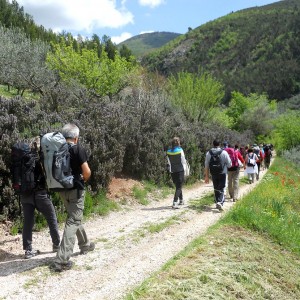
(255,50)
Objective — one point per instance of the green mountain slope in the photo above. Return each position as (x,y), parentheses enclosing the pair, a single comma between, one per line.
(252,50)
(145,43)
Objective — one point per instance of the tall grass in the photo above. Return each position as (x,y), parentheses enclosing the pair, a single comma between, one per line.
(273,207)
(232,262)
(98,204)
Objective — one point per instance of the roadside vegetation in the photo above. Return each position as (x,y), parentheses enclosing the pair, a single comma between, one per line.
(127,113)
(252,253)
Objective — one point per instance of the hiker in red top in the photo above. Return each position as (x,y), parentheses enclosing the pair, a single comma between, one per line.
(234,171)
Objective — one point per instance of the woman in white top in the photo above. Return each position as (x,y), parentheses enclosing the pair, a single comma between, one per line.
(250,165)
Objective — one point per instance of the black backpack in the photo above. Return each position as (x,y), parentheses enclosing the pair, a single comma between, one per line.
(257,152)
(251,161)
(24,161)
(215,164)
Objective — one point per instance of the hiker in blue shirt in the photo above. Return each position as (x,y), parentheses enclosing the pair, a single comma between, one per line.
(176,164)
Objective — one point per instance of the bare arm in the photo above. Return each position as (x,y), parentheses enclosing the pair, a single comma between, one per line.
(86,171)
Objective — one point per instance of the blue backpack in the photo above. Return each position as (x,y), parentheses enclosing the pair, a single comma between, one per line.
(56,161)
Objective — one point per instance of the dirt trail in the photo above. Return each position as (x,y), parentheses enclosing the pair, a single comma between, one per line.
(126,253)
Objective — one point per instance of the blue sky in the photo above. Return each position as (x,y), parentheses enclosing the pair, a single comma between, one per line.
(122,19)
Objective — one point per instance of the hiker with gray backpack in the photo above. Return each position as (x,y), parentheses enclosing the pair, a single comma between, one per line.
(217,162)
(28,181)
(67,170)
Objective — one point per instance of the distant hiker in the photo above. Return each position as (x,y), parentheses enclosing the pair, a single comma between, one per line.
(234,171)
(74,203)
(225,145)
(260,158)
(29,183)
(176,165)
(261,148)
(216,163)
(250,165)
(267,156)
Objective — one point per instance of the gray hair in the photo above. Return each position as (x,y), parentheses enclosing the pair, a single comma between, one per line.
(70,131)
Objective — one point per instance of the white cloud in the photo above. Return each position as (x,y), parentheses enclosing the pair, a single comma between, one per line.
(148,31)
(151,3)
(118,39)
(78,15)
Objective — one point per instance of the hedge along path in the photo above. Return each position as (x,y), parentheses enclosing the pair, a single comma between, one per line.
(126,252)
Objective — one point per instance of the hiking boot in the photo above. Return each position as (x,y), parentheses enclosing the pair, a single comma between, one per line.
(55,248)
(90,248)
(181,202)
(59,267)
(31,253)
(219,206)
(175,205)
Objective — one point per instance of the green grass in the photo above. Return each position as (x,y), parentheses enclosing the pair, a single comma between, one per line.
(251,253)
(98,204)
(12,92)
(273,207)
(158,227)
(202,203)
(140,194)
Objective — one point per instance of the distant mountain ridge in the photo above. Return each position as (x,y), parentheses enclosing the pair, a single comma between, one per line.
(252,50)
(145,43)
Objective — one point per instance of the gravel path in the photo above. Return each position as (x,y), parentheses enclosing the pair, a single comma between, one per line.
(126,252)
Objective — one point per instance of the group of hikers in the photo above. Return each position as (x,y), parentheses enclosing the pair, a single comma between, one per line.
(40,167)
(223,164)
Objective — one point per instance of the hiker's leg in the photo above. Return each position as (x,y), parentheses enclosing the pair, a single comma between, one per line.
(230,183)
(258,170)
(215,184)
(28,212)
(181,179)
(45,206)
(75,212)
(178,181)
(235,179)
(220,186)
(83,241)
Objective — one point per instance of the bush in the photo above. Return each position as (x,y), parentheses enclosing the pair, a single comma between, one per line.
(292,155)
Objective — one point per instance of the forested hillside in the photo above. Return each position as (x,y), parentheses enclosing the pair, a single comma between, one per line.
(12,16)
(252,50)
(144,43)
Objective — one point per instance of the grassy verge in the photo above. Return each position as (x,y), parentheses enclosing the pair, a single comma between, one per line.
(252,253)
(149,190)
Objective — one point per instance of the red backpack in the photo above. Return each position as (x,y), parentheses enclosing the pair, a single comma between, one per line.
(234,159)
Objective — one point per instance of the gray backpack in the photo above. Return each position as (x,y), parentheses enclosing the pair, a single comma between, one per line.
(56,160)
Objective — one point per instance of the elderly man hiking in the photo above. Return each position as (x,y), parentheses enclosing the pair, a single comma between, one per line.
(217,162)
(74,203)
